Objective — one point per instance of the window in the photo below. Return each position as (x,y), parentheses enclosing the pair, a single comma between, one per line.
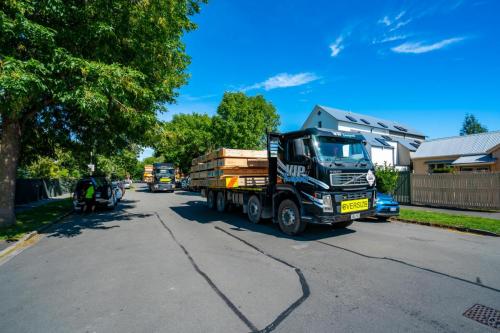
(382,124)
(319,113)
(330,149)
(352,119)
(299,150)
(365,121)
(320,124)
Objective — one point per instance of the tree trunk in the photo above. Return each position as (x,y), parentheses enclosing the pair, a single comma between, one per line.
(9,156)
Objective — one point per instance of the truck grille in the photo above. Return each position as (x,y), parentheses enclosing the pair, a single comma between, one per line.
(348,179)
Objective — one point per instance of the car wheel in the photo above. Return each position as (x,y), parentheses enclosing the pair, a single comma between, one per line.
(289,218)
(211,200)
(254,209)
(342,225)
(221,202)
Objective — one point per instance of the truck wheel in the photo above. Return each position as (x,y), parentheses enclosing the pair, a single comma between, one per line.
(289,218)
(254,209)
(221,202)
(211,200)
(342,225)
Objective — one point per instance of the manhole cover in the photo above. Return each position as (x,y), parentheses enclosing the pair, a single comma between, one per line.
(484,315)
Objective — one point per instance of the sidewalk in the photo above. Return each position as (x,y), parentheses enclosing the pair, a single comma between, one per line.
(491,215)
(30,205)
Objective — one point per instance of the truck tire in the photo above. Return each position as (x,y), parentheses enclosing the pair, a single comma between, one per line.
(254,209)
(342,225)
(221,202)
(211,199)
(289,218)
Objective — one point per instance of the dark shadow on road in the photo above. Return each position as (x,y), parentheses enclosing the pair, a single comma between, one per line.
(183,192)
(197,211)
(99,220)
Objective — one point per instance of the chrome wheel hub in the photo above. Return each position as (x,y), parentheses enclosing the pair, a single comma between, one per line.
(288,216)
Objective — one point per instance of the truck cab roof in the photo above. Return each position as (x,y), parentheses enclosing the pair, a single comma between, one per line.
(322,132)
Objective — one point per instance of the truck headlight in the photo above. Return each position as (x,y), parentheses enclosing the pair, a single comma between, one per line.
(327,203)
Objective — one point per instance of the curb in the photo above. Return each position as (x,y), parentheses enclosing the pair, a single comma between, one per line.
(21,242)
(463,229)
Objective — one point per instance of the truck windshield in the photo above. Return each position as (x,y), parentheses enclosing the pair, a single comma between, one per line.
(330,149)
(165,172)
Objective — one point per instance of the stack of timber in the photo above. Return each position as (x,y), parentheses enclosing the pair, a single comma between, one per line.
(230,168)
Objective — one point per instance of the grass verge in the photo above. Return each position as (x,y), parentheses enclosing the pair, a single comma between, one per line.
(35,219)
(451,220)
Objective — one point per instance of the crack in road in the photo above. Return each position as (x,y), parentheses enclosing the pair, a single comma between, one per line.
(282,316)
(305,287)
(407,264)
(226,300)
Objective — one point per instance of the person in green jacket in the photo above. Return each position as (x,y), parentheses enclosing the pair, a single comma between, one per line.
(89,198)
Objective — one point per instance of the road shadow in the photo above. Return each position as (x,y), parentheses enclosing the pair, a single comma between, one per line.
(101,219)
(185,192)
(197,211)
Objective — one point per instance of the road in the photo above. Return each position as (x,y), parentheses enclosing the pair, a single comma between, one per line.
(165,263)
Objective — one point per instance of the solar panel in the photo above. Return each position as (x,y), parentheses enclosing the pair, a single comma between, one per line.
(416,141)
(352,119)
(382,141)
(382,124)
(400,128)
(414,145)
(365,121)
(387,137)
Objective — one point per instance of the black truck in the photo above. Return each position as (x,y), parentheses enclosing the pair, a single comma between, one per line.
(163,178)
(315,176)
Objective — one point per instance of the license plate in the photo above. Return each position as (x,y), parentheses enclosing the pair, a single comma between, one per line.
(393,209)
(354,205)
(355,216)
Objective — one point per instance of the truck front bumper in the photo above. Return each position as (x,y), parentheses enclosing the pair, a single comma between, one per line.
(163,187)
(332,219)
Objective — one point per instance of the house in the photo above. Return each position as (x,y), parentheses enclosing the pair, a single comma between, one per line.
(388,142)
(470,153)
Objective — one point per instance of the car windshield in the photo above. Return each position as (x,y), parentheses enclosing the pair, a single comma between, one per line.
(330,149)
(165,172)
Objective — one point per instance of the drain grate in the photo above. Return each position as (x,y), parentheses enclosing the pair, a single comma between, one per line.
(484,315)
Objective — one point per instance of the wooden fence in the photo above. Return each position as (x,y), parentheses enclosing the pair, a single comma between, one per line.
(468,191)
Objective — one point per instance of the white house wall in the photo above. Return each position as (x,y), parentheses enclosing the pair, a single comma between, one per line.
(381,156)
(327,121)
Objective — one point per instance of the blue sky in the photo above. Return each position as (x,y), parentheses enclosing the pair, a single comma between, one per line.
(422,63)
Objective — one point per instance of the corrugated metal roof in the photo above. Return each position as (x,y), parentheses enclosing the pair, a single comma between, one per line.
(376,140)
(474,159)
(408,144)
(459,145)
(369,120)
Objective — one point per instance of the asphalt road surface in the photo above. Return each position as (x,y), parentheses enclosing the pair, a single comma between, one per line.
(163,262)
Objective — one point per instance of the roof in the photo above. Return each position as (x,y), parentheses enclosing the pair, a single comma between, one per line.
(475,159)
(361,119)
(376,140)
(322,131)
(459,145)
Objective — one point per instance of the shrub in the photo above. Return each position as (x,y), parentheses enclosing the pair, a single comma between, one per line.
(387,178)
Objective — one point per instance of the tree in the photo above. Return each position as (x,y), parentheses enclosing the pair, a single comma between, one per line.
(242,122)
(472,126)
(185,137)
(88,75)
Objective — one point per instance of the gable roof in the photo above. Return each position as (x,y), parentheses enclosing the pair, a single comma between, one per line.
(459,145)
(361,119)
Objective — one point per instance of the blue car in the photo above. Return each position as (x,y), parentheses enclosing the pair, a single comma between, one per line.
(386,206)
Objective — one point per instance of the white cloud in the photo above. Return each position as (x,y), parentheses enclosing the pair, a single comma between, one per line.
(389,39)
(421,47)
(284,80)
(400,24)
(385,20)
(400,15)
(337,46)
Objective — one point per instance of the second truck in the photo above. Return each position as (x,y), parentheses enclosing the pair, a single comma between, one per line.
(310,176)
(163,178)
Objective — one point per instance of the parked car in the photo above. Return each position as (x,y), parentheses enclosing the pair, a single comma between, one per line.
(119,188)
(105,196)
(386,206)
(127,183)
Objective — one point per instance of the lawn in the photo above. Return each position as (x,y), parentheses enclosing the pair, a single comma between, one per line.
(35,218)
(444,219)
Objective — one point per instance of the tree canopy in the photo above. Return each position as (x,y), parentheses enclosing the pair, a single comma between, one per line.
(85,75)
(242,121)
(472,126)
